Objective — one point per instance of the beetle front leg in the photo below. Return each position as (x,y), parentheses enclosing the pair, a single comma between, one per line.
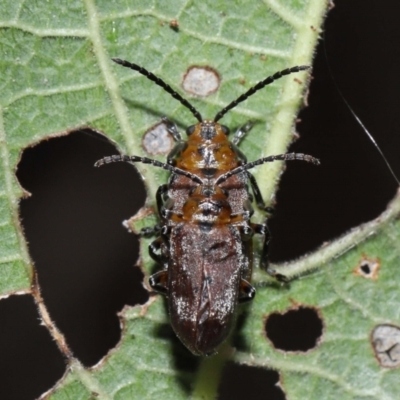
(172,129)
(241,132)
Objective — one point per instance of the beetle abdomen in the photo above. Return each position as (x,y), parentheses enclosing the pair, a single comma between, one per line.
(204,276)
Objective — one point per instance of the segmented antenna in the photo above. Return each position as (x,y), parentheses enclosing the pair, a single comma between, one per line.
(158,81)
(258,87)
(145,160)
(280,157)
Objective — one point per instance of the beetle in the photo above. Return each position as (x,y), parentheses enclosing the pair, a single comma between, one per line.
(204,238)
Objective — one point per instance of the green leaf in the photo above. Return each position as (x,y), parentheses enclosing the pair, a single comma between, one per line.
(57,76)
(352,303)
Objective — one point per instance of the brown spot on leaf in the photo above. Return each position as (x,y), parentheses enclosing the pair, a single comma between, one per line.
(368,268)
(174,24)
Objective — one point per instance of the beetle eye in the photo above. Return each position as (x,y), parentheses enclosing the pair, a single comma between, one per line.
(190,130)
(225,129)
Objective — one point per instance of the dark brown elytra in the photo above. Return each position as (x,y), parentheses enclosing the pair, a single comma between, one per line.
(204,238)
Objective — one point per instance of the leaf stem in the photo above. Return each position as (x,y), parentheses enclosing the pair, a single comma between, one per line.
(335,248)
(209,374)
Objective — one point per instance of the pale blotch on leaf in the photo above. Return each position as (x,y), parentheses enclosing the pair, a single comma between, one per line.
(368,268)
(201,81)
(386,344)
(157,140)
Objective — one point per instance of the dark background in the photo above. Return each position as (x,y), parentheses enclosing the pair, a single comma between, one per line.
(85,257)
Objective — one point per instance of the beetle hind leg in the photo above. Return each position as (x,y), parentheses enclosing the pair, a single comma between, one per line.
(246,291)
(159,282)
(262,229)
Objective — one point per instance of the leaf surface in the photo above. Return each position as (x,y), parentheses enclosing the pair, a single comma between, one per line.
(57,76)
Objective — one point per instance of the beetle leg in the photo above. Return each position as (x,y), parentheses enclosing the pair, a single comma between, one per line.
(150,231)
(257,194)
(246,232)
(240,155)
(246,291)
(159,281)
(256,191)
(279,277)
(174,152)
(156,253)
(172,129)
(154,230)
(159,197)
(239,134)
(262,229)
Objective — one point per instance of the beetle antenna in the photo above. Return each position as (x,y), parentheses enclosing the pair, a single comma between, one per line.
(280,157)
(258,87)
(158,81)
(145,160)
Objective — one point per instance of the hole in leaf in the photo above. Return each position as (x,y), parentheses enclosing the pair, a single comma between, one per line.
(84,256)
(352,185)
(244,382)
(368,268)
(365,268)
(298,329)
(30,361)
